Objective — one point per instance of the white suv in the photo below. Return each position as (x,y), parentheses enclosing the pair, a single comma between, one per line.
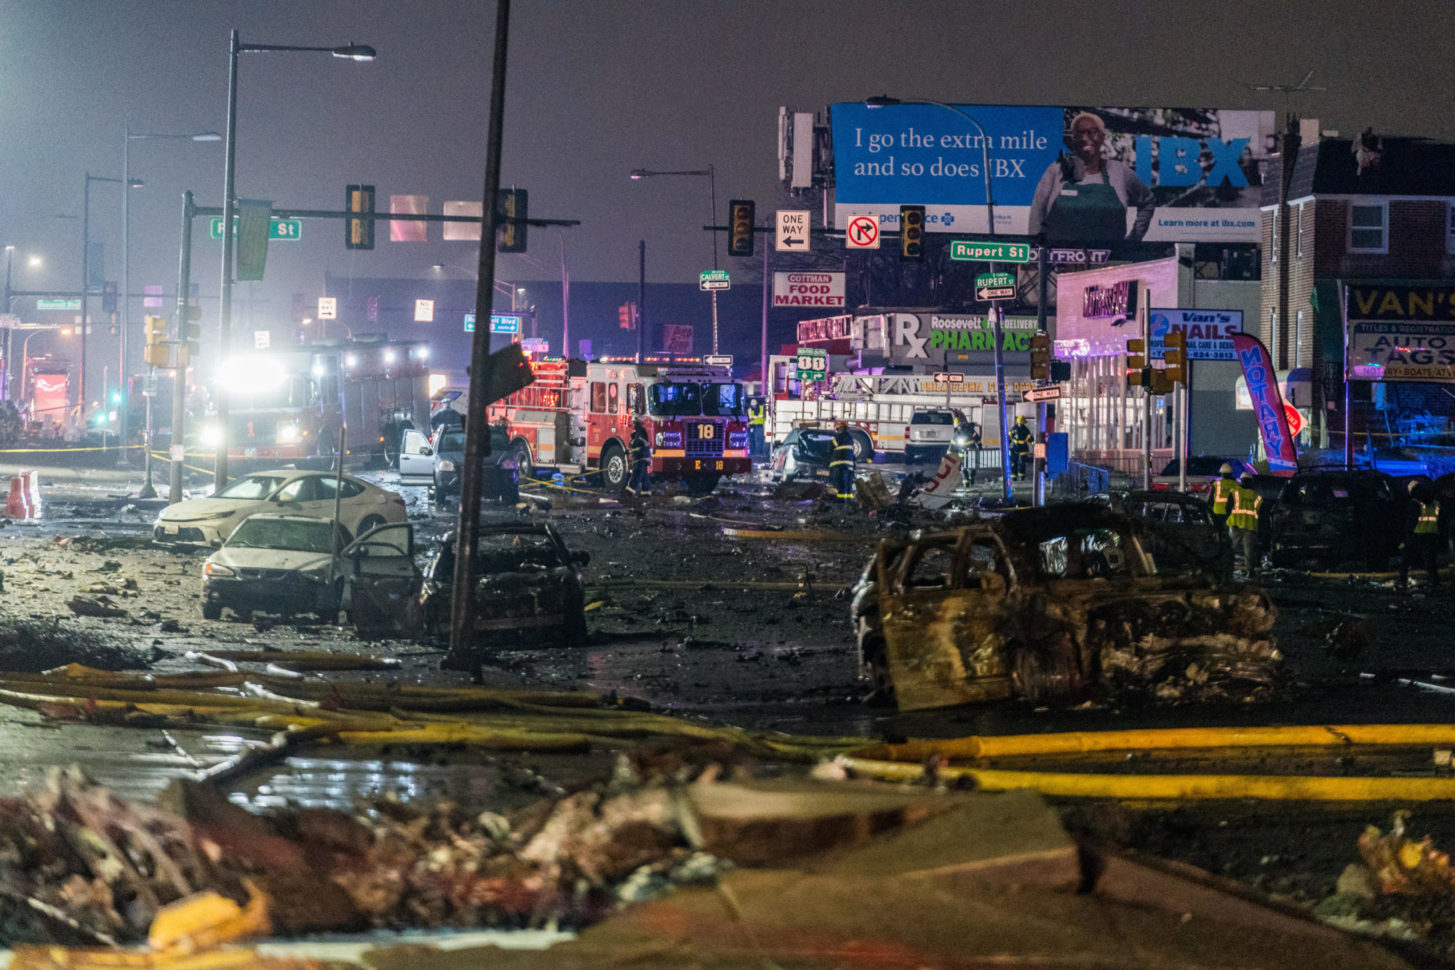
(928,436)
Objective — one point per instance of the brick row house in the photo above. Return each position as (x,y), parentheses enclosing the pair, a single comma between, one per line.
(1377,225)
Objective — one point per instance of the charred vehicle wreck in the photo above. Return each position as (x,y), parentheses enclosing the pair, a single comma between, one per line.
(1055,604)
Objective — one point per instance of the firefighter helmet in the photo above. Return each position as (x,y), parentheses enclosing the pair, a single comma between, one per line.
(1246,478)
(1227,469)
(842,426)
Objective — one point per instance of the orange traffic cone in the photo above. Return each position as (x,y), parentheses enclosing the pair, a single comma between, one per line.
(17,505)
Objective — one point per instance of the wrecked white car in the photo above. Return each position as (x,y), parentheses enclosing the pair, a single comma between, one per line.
(1054,604)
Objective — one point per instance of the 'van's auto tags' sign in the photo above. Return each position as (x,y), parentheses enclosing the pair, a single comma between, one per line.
(1402,333)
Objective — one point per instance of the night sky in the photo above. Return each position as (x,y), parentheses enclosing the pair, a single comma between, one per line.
(594,90)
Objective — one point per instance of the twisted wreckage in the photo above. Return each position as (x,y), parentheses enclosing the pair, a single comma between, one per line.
(1056,603)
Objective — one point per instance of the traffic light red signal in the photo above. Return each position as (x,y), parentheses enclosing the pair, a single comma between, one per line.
(740,227)
(912,232)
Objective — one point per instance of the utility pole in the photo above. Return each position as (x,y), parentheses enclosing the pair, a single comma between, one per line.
(178,451)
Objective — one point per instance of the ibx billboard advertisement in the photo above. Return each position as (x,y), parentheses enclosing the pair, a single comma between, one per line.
(1085,176)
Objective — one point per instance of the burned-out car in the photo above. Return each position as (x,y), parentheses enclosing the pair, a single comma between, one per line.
(528,587)
(1329,516)
(804,453)
(1179,529)
(1055,603)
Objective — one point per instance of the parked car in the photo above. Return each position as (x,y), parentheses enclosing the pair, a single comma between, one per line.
(1202,471)
(286,564)
(1052,604)
(1329,517)
(528,586)
(439,459)
(1180,530)
(929,435)
(207,522)
(803,453)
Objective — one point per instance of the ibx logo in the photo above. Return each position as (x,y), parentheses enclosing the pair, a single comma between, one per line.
(1188,161)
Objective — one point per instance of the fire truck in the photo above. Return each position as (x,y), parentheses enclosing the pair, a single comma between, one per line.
(878,407)
(287,404)
(577,417)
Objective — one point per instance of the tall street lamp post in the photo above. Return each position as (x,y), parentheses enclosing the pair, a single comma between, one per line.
(86,283)
(642,173)
(148,491)
(353,52)
(995,313)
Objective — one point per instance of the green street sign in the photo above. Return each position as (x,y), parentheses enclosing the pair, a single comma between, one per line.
(44,304)
(714,279)
(989,251)
(995,280)
(277,229)
(812,363)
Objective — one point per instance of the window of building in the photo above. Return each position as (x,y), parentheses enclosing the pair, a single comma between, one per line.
(1368,227)
(1298,231)
(1273,241)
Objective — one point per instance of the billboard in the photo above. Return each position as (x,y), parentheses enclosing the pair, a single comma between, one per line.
(1085,176)
(1401,332)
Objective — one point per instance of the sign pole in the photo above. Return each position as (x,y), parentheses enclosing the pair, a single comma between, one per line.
(714,322)
(997,315)
(1146,398)
(1185,426)
(1348,436)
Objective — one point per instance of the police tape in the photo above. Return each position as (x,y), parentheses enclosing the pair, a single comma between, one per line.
(62,451)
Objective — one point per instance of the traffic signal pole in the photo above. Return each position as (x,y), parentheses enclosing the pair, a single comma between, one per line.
(177,450)
(1146,400)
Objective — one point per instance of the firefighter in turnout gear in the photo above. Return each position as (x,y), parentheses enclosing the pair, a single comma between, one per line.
(841,465)
(640,447)
(1020,449)
(1222,494)
(966,443)
(1243,508)
(1421,545)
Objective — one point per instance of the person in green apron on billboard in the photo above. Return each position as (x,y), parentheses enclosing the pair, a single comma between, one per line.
(1082,199)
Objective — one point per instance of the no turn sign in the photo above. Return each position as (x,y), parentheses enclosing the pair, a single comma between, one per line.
(862,233)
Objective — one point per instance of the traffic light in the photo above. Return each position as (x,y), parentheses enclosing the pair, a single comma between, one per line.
(740,227)
(912,232)
(1137,361)
(1174,356)
(1041,357)
(156,354)
(359,233)
(191,343)
(511,216)
(108,297)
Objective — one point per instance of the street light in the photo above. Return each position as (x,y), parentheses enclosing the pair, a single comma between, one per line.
(353,52)
(123,431)
(884,100)
(86,279)
(643,173)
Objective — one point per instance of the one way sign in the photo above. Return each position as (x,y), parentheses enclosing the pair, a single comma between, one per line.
(792,236)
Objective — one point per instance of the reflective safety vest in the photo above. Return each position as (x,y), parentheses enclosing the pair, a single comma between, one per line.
(1222,490)
(843,450)
(758,415)
(1244,512)
(641,447)
(1427,521)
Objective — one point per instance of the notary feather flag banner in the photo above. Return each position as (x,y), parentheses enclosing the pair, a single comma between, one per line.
(1267,403)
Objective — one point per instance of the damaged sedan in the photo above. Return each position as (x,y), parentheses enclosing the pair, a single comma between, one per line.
(1055,604)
